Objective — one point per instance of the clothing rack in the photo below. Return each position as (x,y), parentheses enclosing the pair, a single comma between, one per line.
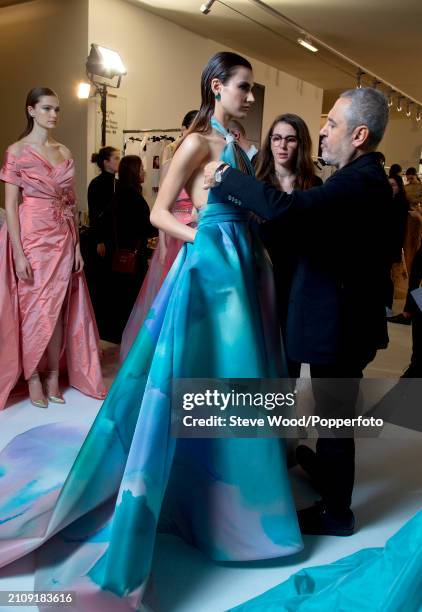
(145,131)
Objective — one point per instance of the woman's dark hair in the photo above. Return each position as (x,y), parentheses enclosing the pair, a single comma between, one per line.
(32,99)
(395,169)
(103,155)
(188,118)
(304,167)
(399,183)
(129,169)
(221,66)
(412,172)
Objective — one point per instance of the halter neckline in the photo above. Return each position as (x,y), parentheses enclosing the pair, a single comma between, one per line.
(222,130)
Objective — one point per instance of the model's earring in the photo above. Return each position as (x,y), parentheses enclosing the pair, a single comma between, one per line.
(218,97)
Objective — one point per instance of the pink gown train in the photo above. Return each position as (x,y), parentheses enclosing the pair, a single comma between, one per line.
(182,210)
(29,310)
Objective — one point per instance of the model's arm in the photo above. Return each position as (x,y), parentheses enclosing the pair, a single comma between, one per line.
(22,266)
(79,262)
(190,156)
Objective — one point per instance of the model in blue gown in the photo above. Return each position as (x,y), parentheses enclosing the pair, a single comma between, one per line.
(229,497)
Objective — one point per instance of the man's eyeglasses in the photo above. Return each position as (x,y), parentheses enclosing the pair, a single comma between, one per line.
(276,140)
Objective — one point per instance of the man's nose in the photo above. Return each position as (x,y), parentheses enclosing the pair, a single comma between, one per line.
(323,131)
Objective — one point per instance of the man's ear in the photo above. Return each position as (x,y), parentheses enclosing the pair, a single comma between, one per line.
(360,136)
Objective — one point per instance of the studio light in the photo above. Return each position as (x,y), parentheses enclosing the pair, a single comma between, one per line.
(104,68)
(106,63)
(206,7)
(84,91)
(308,44)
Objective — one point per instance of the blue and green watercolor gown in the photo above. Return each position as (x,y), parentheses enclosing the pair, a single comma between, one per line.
(213,317)
(96,512)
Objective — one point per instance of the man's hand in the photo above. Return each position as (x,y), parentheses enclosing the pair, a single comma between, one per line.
(209,174)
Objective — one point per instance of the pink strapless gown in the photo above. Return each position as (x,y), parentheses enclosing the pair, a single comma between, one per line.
(29,311)
(156,274)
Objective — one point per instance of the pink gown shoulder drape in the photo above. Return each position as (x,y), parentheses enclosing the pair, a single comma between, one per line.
(157,272)
(29,310)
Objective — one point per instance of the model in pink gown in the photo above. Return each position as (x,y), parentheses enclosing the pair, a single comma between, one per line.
(156,274)
(30,310)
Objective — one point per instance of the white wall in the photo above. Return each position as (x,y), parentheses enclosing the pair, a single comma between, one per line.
(165,61)
(44,43)
(402,142)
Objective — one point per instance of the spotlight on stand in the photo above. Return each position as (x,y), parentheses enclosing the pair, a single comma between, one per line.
(104,68)
(206,7)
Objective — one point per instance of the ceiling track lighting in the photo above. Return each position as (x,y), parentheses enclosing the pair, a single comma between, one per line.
(390,98)
(206,7)
(409,109)
(418,114)
(360,73)
(399,104)
(307,43)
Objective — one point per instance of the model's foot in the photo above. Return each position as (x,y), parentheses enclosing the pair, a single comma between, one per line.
(36,394)
(52,387)
(307,460)
(317,520)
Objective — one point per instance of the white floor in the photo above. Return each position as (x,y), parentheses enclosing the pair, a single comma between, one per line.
(388,492)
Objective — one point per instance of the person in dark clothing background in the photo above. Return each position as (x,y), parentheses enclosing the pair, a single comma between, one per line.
(128,217)
(285,161)
(98,260)
(412,310)
(395,170)
(400,214)
(336,318)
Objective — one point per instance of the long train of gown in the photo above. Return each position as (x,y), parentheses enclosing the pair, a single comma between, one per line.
(385,579)
(229,497)
(157,271)
(30,310)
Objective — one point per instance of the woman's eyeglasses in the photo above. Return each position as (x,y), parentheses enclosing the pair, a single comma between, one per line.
(277,140)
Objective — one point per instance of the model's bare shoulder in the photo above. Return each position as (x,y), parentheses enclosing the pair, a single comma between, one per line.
(194,145)
(64,151)
(16,148)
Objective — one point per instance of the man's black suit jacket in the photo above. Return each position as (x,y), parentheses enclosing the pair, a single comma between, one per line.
(343,231)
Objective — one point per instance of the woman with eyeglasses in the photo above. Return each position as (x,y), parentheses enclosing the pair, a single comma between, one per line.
(285,161)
